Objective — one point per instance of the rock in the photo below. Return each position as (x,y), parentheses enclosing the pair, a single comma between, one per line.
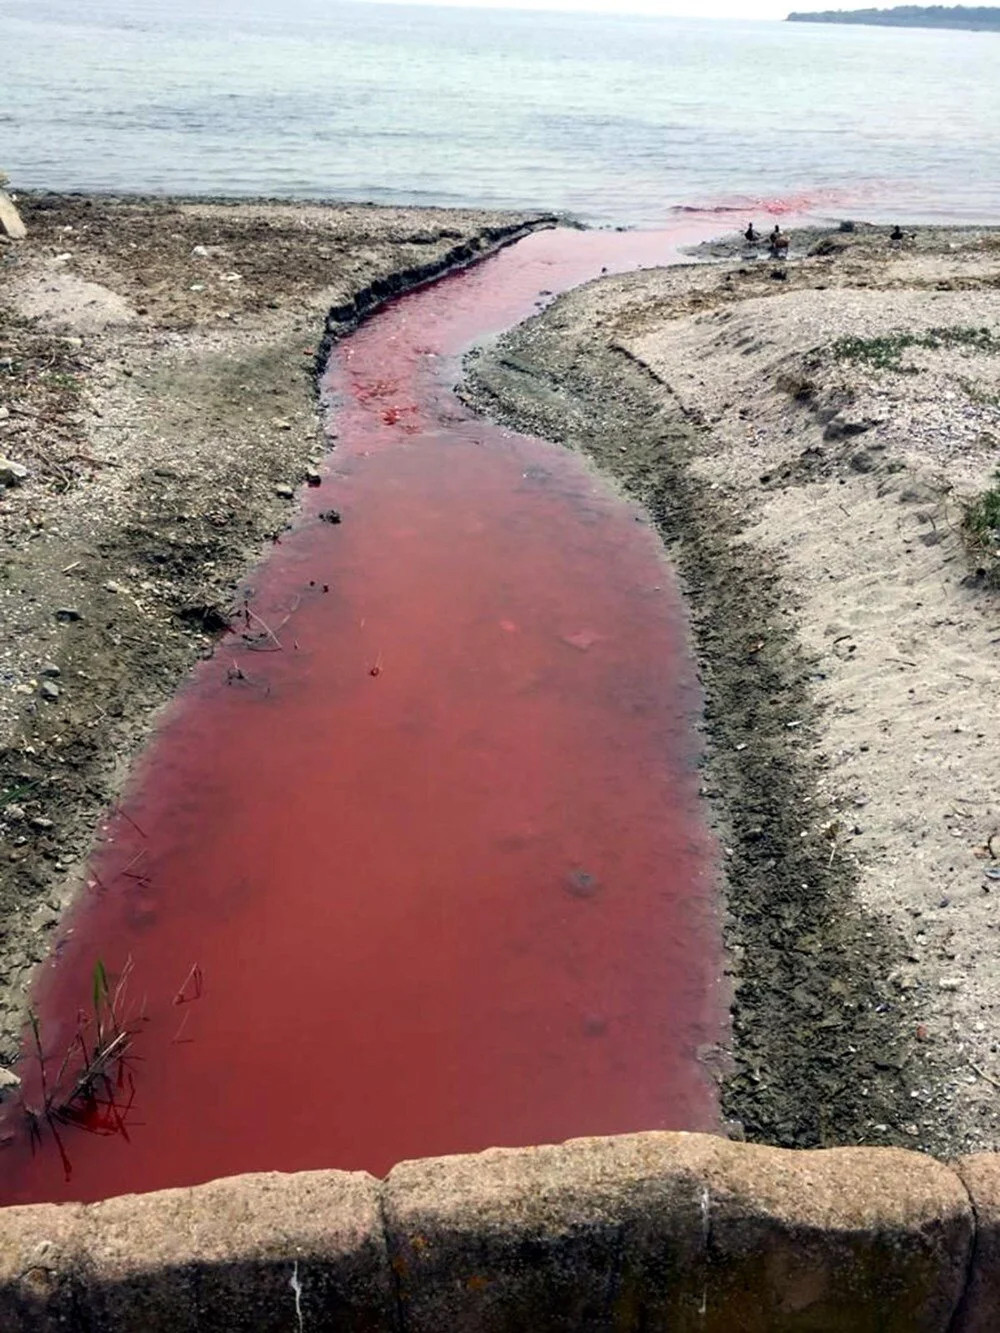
(330,516)
(207,614)
(67,614)
(827,246)
(839,429)
(9,1083)
(284,492)
(314,478)
(14,813)
(49,690)
(11,473)
(41,823)
(51,670)
(10,218)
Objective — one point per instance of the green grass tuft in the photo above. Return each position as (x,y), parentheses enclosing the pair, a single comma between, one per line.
(981,528)
(885,352)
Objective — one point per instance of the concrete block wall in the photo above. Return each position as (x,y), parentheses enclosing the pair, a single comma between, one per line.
(643,1233)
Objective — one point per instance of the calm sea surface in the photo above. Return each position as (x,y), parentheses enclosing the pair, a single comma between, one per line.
(616,119)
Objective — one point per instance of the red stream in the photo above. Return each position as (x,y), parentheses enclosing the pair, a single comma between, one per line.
(431,875)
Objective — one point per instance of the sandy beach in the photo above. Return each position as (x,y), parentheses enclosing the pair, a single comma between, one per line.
(809,467)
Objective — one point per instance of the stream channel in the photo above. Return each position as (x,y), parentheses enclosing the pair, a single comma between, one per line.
(415,863)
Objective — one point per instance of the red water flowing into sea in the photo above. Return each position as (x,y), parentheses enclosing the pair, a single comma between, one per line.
(415,865)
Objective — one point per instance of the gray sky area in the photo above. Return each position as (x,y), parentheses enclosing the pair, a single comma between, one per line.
(748,9)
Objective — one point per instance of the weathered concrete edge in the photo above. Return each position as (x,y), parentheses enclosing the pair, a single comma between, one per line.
(644,1231)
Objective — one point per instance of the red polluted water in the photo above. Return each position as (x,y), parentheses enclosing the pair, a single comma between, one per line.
(415,865)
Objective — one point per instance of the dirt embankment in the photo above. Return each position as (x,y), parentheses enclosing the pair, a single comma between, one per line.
(806,436)
(157,408)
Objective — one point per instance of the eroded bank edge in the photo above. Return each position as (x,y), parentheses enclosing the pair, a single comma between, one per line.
(646,1231)
(819,1054)
(146,666)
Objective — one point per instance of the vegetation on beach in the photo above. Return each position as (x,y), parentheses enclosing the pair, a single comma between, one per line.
(981,527)
(886,351)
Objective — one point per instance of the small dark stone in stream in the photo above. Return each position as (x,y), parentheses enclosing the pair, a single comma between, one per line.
(313,478)
(581,884)
(330,516)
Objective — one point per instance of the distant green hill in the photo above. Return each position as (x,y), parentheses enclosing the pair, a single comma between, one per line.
(910,16)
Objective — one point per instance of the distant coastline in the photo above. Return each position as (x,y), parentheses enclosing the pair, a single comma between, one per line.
(976,19)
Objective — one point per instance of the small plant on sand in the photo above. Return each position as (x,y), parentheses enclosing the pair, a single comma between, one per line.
(885,352)
(981,527)
(977,394)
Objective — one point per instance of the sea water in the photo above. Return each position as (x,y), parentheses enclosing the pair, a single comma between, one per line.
(614,118)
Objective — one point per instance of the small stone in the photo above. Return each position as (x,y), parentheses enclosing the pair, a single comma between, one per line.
(51,670)
(14,813)
(9,1083)
(314,478)
(11,473)
(66,614)
(49,690)
(330,516)
(41,823)
(284,492)
(950,983)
